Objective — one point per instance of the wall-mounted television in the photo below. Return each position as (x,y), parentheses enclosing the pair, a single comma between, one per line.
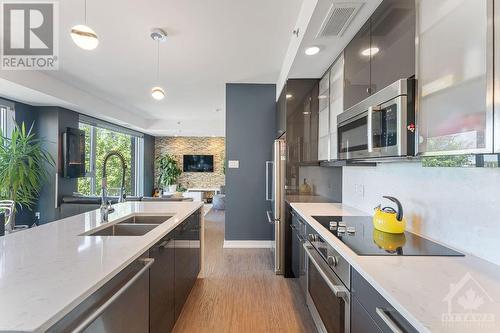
(198,163)
(73,153)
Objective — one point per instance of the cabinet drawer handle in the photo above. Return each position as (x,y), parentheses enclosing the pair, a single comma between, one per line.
(99,311)
(388,321)
(164,244)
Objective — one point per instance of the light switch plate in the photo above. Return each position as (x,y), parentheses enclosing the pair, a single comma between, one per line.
(233,164)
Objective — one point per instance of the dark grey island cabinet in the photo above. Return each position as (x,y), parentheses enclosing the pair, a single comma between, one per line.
(176,268)
(147,295)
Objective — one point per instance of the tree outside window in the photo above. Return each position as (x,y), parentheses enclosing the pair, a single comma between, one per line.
(98,142)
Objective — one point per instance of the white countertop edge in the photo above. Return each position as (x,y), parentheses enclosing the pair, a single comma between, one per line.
(351,257)
(71,306)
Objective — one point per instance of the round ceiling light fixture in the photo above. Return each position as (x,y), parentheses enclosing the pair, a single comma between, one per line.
(312,50)
(288,96)
(84,36)
(370,52)
(159,36)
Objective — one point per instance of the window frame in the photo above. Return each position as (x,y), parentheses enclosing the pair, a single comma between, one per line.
(137,155)
(7,117)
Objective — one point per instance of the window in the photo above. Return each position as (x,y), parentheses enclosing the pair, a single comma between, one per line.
(6,117)
(101,139)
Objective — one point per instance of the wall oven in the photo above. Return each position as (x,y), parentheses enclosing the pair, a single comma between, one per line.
(328,282)
(383,125)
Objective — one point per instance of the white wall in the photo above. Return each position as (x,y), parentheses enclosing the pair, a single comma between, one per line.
(326,182)
(456,206)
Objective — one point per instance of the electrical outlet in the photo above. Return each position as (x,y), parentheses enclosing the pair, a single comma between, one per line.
(37,215)
(359,190)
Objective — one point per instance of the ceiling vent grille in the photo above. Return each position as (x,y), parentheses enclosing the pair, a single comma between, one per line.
(338,18)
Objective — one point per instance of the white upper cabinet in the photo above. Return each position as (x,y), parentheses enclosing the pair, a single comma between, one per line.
(336,102)
(324,118)
(455,77)
(331,104)
(496,94)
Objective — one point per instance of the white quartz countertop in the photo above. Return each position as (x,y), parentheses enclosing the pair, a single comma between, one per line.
(47,271)
(427,291)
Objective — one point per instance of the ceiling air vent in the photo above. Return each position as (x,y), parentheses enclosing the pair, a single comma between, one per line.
(338,18)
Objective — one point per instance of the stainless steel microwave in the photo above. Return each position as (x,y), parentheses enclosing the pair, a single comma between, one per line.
(381,126)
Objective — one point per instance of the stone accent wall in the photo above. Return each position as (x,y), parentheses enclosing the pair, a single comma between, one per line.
(179,146)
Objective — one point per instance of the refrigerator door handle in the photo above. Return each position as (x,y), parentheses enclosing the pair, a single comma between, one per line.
(268,195)
(270,217)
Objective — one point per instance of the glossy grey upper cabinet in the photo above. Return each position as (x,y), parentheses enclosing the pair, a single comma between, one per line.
(455,76)
(382,52)
(357,68)
(281,114)
(392,43)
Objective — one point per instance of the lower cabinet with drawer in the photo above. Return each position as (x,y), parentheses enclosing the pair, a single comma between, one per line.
(149,294)
(370,311)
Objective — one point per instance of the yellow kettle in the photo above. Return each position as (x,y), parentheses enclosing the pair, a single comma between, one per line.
(389,220)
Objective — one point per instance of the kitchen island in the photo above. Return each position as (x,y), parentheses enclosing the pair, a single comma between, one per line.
(46,272)
(433,293)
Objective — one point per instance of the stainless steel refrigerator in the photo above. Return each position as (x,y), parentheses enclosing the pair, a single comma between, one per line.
(275,194)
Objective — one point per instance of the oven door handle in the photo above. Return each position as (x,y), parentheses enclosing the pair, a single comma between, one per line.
(338,290)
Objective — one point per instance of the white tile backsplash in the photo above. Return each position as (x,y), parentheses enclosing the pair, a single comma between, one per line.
(456,206)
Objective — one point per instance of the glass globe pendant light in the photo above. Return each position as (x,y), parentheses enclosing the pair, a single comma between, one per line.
(159,36)
(83,36)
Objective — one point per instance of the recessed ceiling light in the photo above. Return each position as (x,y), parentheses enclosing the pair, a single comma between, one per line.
(371,51)
(322,97)
(288,96)
(84,37)
(312,50)
(158,93)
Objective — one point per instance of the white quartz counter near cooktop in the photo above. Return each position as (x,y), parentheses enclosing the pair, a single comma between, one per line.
(418,287)
(47,271)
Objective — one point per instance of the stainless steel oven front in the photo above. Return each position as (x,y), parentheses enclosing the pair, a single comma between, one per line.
(383,125)
(328,297)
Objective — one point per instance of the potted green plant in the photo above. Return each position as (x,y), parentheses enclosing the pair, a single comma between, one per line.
(23,161)
(168,172)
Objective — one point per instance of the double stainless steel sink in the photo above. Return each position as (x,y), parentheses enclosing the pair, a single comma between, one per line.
(136,225)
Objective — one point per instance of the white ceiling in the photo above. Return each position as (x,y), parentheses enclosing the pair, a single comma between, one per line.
(305,66)
(211,42)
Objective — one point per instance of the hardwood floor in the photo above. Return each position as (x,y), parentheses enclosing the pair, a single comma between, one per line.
(240,292)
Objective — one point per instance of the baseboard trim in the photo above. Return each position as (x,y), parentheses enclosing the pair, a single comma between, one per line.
(248,244)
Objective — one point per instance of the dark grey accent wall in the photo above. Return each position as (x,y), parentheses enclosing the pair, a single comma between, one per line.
(52,122)
(149,159)
(250,132)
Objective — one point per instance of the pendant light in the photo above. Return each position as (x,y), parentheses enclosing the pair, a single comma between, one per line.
(83,35)
(159,36)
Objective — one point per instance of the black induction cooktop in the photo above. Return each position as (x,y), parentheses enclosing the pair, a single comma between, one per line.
(358,234)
